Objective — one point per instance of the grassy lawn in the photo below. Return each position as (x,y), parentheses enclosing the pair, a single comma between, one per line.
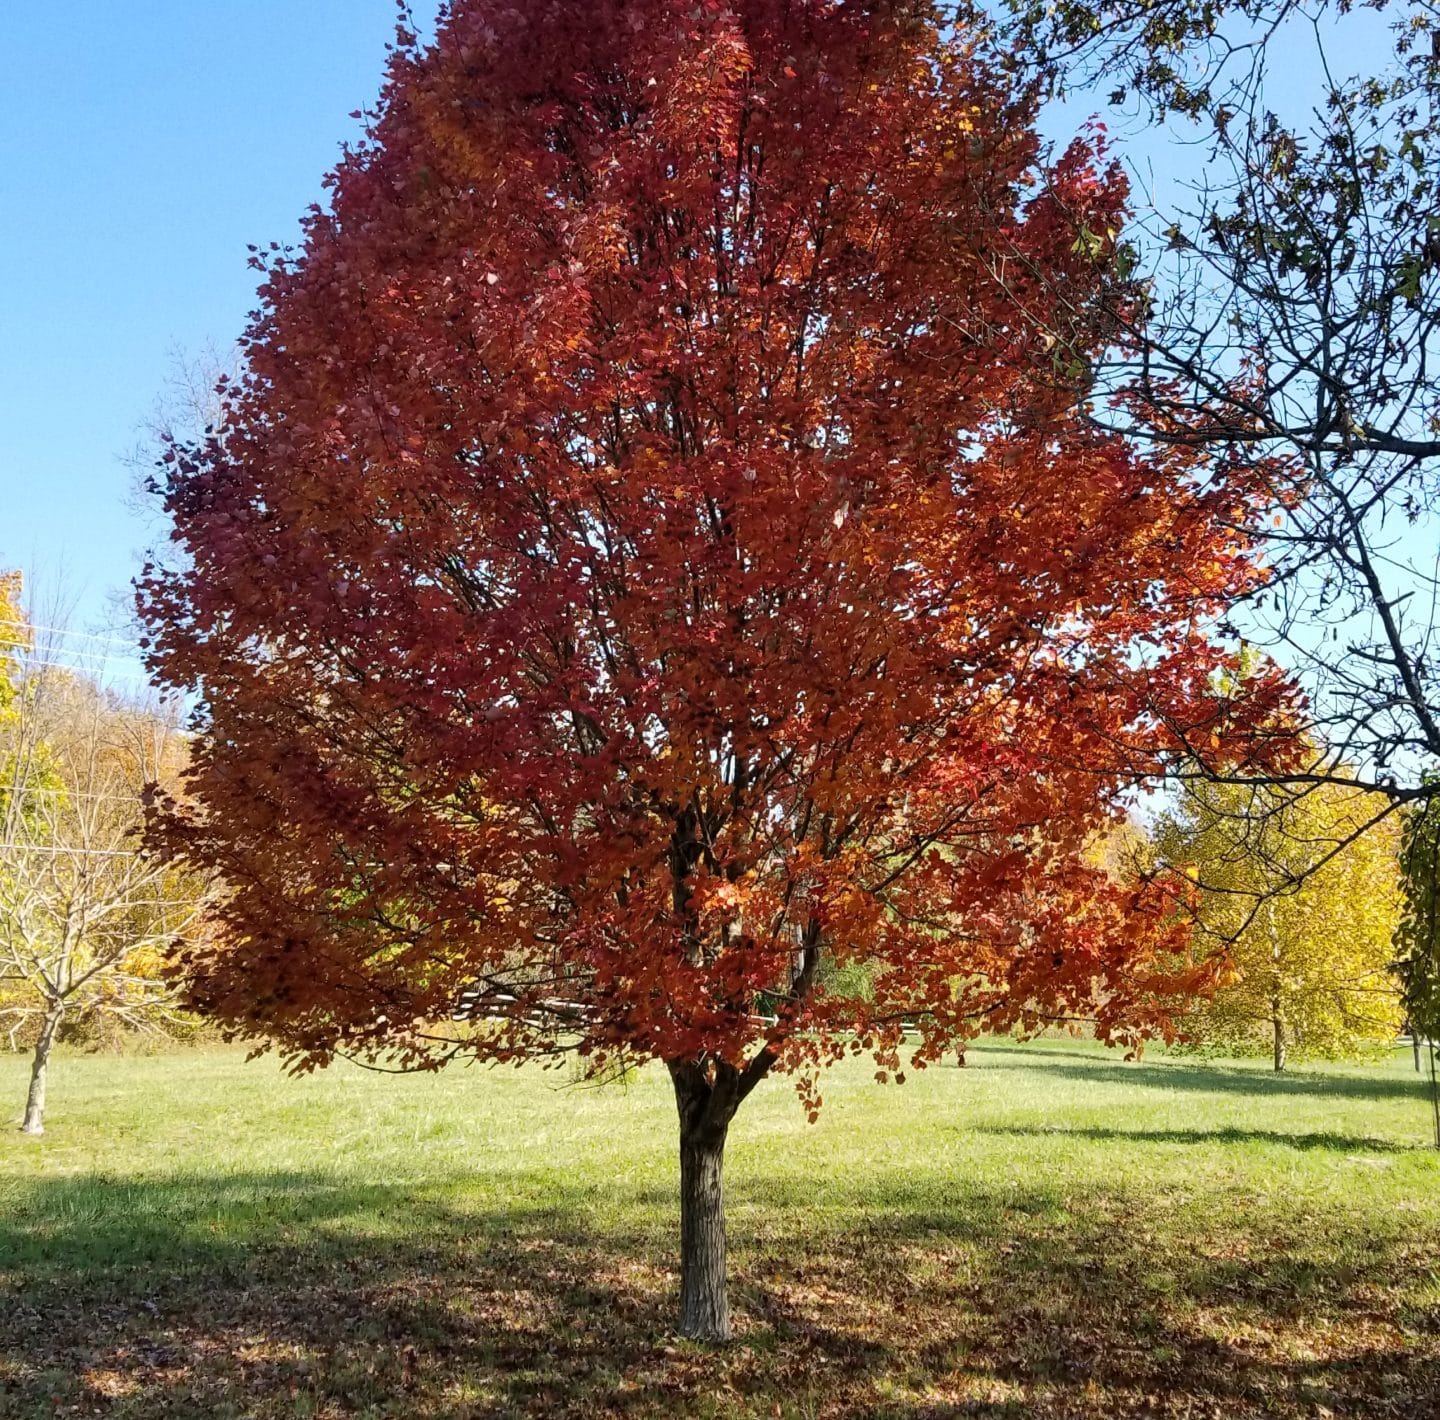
(1050,1232)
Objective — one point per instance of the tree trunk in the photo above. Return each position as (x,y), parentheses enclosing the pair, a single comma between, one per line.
(1277,987)
(1434,1089)
(706,1097)
(34,1122)
(704,1310)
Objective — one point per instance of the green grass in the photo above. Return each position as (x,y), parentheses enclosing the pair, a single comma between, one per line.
(1050,1232)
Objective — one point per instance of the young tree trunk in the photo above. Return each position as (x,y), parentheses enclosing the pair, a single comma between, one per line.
(1434,1089)
(1276,990)
(34,1122)
(704,1309)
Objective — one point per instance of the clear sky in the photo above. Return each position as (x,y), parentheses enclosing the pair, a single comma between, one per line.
(142,146)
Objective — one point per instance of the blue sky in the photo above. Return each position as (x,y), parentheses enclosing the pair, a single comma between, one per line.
(143,146)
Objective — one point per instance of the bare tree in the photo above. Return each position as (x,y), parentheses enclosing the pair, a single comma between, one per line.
(86,913)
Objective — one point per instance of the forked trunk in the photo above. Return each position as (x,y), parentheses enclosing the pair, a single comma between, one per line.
(34,1122)
(704,1310)
(706,1100)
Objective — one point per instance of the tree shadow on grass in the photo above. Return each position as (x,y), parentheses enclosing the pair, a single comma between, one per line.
(296,1294)
(1229,1135)
(284,1294)
(1189,1075)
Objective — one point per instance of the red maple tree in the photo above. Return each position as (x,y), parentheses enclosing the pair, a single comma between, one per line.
(652,562)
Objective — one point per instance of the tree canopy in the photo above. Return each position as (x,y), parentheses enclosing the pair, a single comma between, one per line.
(654,552)
(1302,896)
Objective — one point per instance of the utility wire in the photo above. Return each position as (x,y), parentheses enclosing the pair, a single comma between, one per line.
(21,791)
(9,625)
(76,852)
(36,657)
(90,671)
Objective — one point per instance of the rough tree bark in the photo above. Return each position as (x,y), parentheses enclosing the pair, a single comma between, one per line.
(34,1122)
(704,1308)
(706,1104)
(708,1091)
(707,1094)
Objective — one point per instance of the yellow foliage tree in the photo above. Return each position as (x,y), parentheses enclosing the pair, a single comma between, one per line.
(1302,893)
(13,638)
(14,641)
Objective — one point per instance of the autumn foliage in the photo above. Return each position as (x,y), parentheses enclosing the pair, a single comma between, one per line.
(87,918)
(652,560)
(1300,892)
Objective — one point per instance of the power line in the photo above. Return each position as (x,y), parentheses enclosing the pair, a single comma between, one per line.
(28,626)
(126,903)
(95,656)
(19,790)
(77,852)
(92,671)
(35,655)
